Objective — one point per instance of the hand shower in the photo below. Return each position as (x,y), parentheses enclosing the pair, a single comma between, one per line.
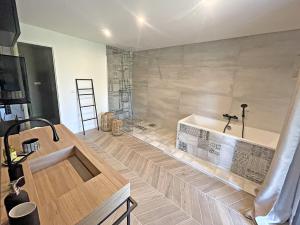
(244,106)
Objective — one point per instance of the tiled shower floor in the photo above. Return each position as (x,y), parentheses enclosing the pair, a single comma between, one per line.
(165,140)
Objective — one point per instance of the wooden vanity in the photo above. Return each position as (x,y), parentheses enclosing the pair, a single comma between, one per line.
(69,184)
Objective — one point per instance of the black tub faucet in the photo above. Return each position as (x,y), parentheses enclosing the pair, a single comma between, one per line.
(229,117)
(14,168)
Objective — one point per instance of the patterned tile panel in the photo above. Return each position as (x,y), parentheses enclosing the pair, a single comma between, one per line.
(190,130)
(252,162)
(244,159)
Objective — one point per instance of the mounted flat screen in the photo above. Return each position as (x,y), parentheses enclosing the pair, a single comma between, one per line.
(13,80)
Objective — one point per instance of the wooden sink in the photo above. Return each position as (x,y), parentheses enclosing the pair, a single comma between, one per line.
(60,172)
(67,180)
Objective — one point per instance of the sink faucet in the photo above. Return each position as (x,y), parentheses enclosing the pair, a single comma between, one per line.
(12,167)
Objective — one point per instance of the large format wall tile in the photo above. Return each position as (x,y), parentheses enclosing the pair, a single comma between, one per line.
(214,80)
(271,50)
(270,82)
(212,54)
(216,77)
(263,113)
(195,102)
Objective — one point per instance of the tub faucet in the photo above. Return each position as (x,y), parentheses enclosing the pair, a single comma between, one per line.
(229,117)
(14,167)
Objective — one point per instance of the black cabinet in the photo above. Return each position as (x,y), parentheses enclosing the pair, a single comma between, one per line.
(9,23)
(13,80)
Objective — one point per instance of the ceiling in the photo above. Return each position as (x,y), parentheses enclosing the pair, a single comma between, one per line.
(167,22)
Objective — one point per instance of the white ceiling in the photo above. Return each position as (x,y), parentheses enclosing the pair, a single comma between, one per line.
(169,22)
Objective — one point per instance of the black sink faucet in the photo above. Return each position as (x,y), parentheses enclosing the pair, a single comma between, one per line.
(12,166)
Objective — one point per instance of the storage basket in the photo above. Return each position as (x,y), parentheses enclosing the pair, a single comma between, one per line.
(106,121)
(117,127)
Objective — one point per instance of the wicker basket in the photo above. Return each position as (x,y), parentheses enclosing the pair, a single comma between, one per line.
(117,127)
(106,121)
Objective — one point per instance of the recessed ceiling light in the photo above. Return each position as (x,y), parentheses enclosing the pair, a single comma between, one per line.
(106,32)
(140,20)
(208,2)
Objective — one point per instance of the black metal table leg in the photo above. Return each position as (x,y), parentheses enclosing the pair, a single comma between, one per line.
(128,215)
(129,209)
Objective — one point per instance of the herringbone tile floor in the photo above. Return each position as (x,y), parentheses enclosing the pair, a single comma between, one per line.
(168,191)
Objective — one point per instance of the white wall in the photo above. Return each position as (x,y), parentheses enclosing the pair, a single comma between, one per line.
(73,58)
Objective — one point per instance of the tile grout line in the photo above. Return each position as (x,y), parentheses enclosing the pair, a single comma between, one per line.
(214,199)
(146,183)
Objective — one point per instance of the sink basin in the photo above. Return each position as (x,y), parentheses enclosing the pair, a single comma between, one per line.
(61,172)
(67,180)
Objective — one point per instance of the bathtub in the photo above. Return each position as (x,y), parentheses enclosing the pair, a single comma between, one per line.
(249,157)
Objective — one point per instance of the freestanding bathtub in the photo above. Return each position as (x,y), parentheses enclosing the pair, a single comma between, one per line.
(249,157)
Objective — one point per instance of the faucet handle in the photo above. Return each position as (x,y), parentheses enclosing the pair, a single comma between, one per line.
(226,115)
(235,117)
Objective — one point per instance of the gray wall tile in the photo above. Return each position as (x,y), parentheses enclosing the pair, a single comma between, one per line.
(216,77)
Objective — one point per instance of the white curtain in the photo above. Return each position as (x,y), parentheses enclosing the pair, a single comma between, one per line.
(278,201)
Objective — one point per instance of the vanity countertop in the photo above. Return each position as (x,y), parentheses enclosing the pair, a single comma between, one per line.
(67,181)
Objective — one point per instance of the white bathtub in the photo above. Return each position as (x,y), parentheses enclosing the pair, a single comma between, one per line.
(252,135)
(249,157)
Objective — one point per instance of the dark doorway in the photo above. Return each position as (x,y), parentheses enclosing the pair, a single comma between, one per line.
(41,81)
